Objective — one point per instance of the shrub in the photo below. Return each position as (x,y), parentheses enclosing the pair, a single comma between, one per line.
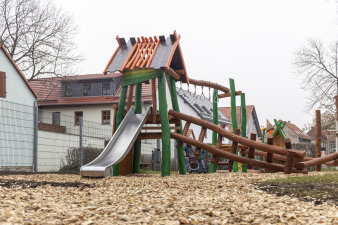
(72,159)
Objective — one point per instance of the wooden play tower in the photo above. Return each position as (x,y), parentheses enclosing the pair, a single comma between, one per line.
(159,61)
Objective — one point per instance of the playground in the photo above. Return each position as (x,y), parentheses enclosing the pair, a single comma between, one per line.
(218,198)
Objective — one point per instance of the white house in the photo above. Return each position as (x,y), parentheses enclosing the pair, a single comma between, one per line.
(18,117)
(200,107)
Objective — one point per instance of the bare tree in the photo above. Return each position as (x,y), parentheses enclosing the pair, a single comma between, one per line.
(39,37)
(317,65)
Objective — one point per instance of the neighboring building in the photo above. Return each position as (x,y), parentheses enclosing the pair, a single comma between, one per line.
(295,134)
(328,140)
(18,110)
(201,107)
(252,123)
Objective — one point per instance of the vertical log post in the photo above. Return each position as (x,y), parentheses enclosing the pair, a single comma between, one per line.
(130,96)
(269,155)
(251,152)
(290,157)
(318,138)
(180,150)
(218,145)
(137,145)
(119,118)
(234,147)
(154,100)
(233,115)
(215,121)
(162,87)
(243,127)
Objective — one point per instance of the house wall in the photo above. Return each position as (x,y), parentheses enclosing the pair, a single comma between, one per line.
(17,119)
(251,128)
(291,135)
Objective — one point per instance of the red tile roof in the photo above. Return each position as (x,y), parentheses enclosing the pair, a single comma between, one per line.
(227,112)
(297,131)
(49,91)
(17,68)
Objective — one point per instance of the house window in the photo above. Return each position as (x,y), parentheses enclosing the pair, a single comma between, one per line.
(78,115)
(56,118)
(332,146)
(2,85)
(87,89)
(106,117)
(68,90)
(105,88)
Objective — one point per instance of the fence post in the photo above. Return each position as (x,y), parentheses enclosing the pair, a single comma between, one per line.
(35,142)
(80,138)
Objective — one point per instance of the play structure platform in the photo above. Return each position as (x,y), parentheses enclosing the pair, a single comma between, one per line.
(118,147)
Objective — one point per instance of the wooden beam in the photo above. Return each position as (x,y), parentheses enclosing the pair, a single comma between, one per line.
(213,150)
(200,138)
(318,139)
(269,156)
(209,84)
(172,73)
(317,161)
(154,100)
(290,157)
(146,136)
(244,141)
(234,149)
(159,128)
(225,95)
(251,151)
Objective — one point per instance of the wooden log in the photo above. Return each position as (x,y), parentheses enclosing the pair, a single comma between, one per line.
(269,156)
(213,150)
(234,149)
(332,163)
(218,145)
(244,141)
(243,127)
(200,138)
(186,128)
(225,95)
(173,73)
(159,128)
(153,96)
(146,136)
(251,151)
(290,157)
(317,161)
(209,84)
(130,96)
(214,121)
(318,139)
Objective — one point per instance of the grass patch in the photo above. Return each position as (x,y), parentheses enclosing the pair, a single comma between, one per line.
(318,189)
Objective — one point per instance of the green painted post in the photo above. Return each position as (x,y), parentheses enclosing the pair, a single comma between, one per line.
(215,121)
(165,170)
(176,107)
(243,127)
(233,115)
(119,118)
(137,145)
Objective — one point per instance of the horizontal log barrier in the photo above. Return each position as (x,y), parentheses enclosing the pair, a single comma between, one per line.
(317,161)
(233,157)
(244,141)
(209,84)
(332,163)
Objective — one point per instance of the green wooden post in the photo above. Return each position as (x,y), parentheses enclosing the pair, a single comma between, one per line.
(233,115)
(165,170)
(176,107)
(119,118)
(215,121)
(137,145)
(243,127)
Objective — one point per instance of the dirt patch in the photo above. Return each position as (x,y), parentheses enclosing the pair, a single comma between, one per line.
(316,189)
(34,184)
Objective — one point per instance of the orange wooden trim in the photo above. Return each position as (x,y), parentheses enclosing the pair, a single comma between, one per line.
(172,52)
(183,63)
(138,56)
(110,60)
(129,56)
(135,54)
(153,54)
(143,55)
(148,55)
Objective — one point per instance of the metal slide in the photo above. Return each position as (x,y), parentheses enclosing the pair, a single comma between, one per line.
(118,146)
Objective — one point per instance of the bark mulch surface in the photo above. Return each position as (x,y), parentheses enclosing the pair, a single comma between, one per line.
(219,198)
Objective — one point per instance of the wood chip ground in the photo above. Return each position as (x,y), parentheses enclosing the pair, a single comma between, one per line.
(220,198)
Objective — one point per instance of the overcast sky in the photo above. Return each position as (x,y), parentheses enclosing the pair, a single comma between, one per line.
(250,41)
